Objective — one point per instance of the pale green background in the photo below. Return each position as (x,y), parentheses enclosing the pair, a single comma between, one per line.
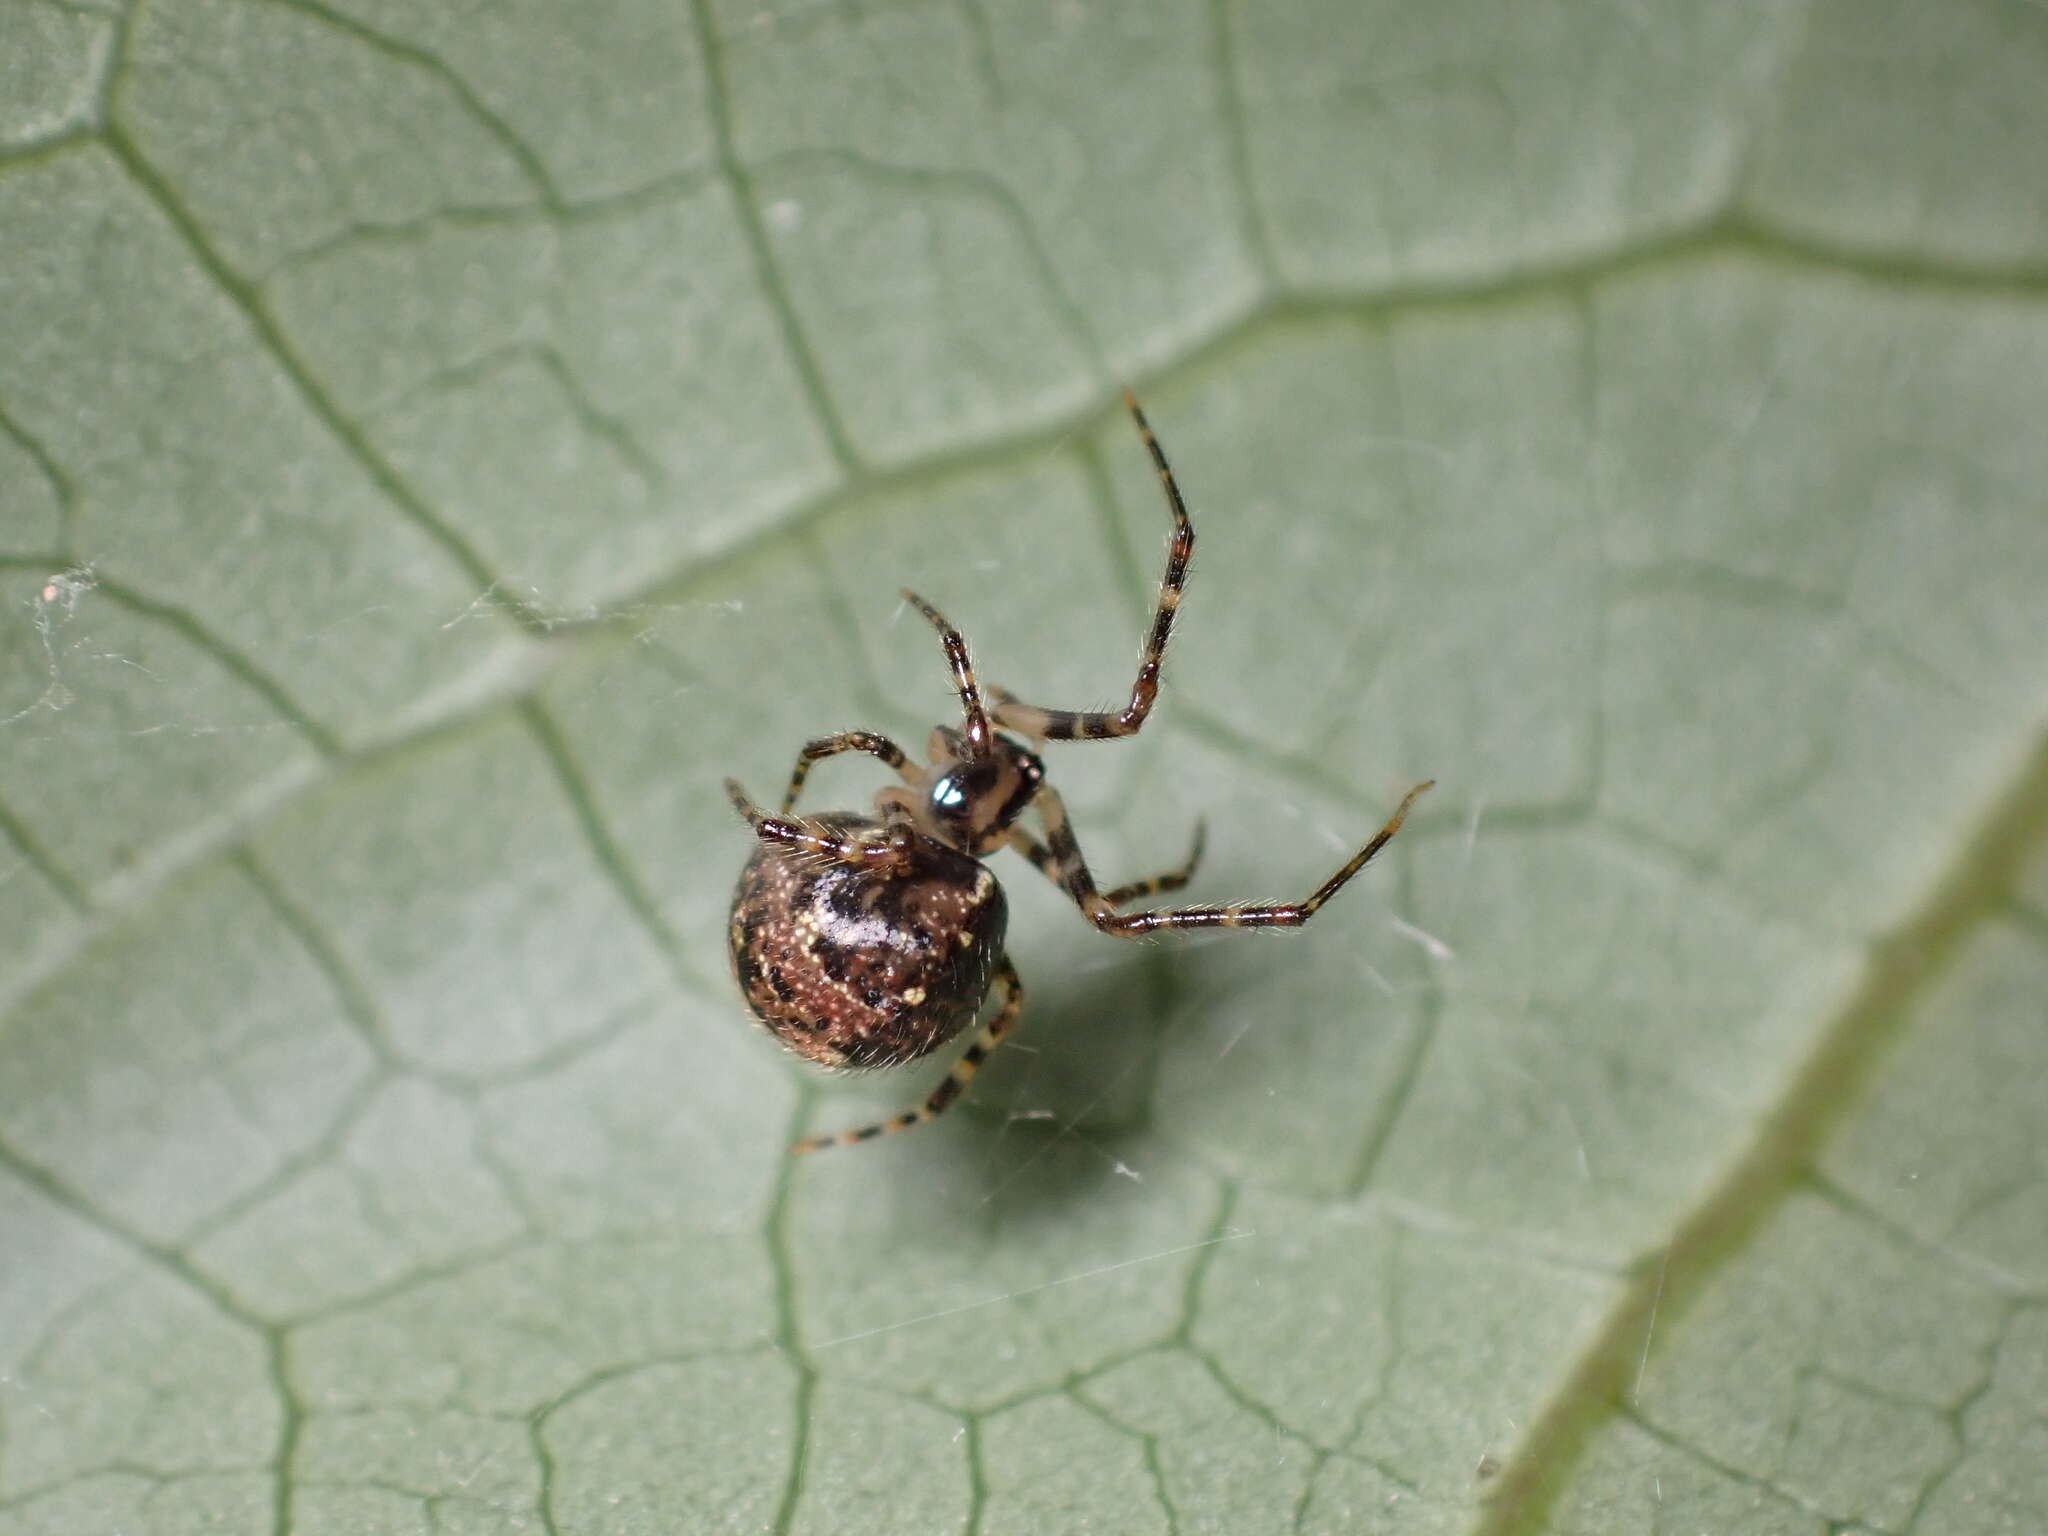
(437,443)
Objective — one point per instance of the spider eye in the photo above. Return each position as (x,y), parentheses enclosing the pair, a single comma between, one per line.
(949,794)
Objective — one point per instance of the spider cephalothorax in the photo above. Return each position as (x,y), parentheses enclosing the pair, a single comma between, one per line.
(868,941)
(968,800)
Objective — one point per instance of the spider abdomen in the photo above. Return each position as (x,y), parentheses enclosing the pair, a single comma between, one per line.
(853,967)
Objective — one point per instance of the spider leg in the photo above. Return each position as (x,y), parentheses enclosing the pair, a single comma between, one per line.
(953,1084)
(1048,866)
(1071,870)
(831,746)
(976,729)
(883,847)
(1070,724)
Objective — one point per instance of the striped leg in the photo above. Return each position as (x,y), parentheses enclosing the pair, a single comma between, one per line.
(955,1082)
(1070,869)
(976,729)
(1047,865)
(831,746)
(883,847)
(1073,725)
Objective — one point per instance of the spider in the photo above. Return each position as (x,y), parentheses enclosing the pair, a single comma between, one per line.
(870,941)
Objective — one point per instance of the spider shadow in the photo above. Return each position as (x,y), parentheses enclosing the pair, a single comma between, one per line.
(1066,1106)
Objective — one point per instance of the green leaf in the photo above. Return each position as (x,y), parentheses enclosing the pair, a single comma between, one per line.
(438,445)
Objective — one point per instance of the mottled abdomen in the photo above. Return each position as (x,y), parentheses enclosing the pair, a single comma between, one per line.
(853,968)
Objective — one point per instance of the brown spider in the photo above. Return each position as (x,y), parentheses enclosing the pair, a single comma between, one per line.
(870,941)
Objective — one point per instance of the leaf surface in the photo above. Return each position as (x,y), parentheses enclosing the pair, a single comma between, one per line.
(438,446)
